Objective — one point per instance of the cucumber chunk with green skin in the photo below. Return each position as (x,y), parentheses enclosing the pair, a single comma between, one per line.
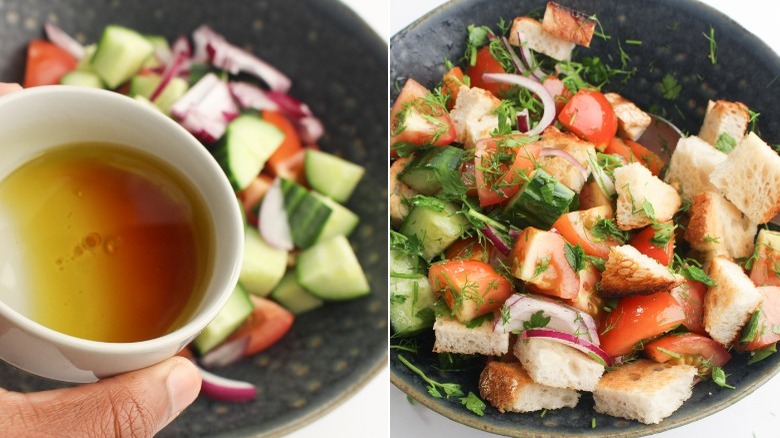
(120,54)
(539,203)
(249,142)
(263,266)
(82,79)
(236,310)
(307,213)
(436,228)
(85,63)
(331,271)
(144,85)
(411,305)
(402,263)
(427,170)
(341,221)
(159,42)
(331,175)
(293,297)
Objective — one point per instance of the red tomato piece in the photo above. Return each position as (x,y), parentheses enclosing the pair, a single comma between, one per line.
(467,249)
(768,331)
(642,241)
(46,64)
(589,115)
(646,157)
(588,300)
(688,348)
(290,145)
(538,258)
(690,295)
(560,93)
(766,267)
(252,194)
(637,318)
(471,288)
(486,63)
(417,121)
(499,167)
(267,324)
(619,147)
(451,83)
(576,228)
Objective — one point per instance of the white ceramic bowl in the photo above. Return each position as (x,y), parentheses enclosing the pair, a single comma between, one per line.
(36,119)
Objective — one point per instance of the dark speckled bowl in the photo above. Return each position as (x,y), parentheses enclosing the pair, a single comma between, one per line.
(672,42)
(339,67)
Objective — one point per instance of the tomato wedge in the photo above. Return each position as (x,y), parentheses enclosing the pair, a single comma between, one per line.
(471,288)
(588,300)
(451,83)
(768,331)
(690,295)
(291,144)
(688,348)
(642,241)
(468,249)
(500,163)
(46,64)
(268,323)
(766,267)
(560,93)
(589,115)
(632,151)
(637,318)
(576,227)
(413,120)
(539,259)
(486,63)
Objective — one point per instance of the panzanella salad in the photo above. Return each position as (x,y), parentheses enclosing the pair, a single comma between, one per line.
(531,226)
(296,253)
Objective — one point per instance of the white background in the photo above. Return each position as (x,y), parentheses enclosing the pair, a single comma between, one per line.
(755,416)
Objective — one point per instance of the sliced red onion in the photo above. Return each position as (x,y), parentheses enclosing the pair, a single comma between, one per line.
(593,351)
(221,388)
(555,152)
(61,39)
(513,233)
(206,109)
(516,61)
(528,57)
(523,121)
(226,354)
(308,126)
(548,116)
(272,221)
(603,180)
(497,241)
(180,54)
(249,95)
(211,46)
(563,318)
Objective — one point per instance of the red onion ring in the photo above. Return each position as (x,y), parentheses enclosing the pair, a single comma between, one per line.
(226,354)
(563,318)
(64,41)
(536,72)
(249,95)
(221,388)
(272,221)
(516,61)
(570,340)
(180,54)
(523,122)
(548,116)
(497,242)
(555,152)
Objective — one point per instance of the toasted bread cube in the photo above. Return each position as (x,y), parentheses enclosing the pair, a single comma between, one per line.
(553,364)
(750,179)
(632,121)
(529,33)
(473,115)
(717,226)
(629,272)
(452,336)
(724,117)
(693,160)
(568,24)
(634,185)
(729,304)
(400,193)
(561,169)
(508,388)
(644,391)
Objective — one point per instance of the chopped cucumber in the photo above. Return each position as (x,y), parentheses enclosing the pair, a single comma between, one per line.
(159,42)
(435,228)
(82,79)
(307,214)
(539,203)
(293,297)
(85,63)
(402,263)
(341,221)
(144,85)
(236,310)
(262,266)
(427,170)
(120,54)
(249,142)
(411,305)
(331,175)
(331,271)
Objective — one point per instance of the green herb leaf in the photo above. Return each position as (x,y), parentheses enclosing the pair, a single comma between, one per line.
(541,266)
(450,389)
(575,255)
(478,37)
(713,55)
(759,355)
(606,228)
(669,87)
(538,320)
(751,329)
(671,354)
(725,143)
(663,233)
(647,207)
(478,321)
(719,377)
(474,404)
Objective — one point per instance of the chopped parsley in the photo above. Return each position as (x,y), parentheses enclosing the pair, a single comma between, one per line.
(474,404)
(663,233)
(719,377)
(478,37)
(605,229)
(575,255)
(759,355)
(669,87)
(713,55)
(725,143)
(538,320)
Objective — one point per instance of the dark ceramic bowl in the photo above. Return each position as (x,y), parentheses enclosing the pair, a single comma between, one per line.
(339,67)
(672,43)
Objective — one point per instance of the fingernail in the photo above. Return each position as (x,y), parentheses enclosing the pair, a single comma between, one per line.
(183,386)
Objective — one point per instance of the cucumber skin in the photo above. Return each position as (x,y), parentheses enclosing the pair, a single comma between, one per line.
(331,271)
(263,266)
(261,144)
(341,222)
(330,175)
(528,209)
(293,296)
(104,60)
(411,305)
(437,230)
(82,79)
(427,170)
(226,321)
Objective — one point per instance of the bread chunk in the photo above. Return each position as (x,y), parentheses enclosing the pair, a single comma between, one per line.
(508,388)
(629,272)
(561,169)
(568,24)
(632,121)
(729,304)
(400,193)
(724,117)
(473,115)
(529,33)
(717,226)
(693,160)
(750,179)
(644,391)
(634,185)
(452,336)
(553,364)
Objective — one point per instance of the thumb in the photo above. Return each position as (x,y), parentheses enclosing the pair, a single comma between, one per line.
(139,403)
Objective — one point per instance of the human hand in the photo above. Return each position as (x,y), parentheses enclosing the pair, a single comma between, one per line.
(137,404)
